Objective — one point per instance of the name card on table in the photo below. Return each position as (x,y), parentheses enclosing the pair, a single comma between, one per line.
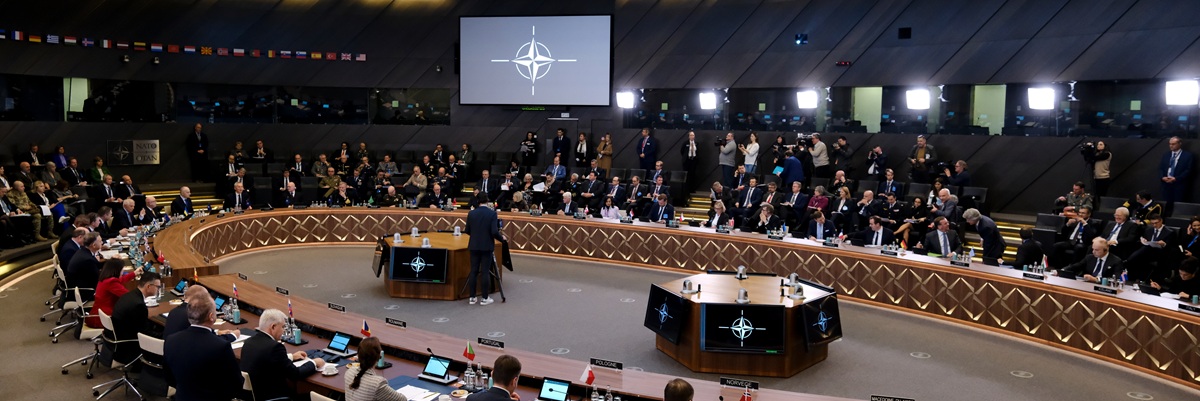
(739,383)
(396,322)
(491,343)
(282,291)
(829,244)
(722,229)
(1189,308)
(604,363)
(336,307)
(243,277)
(960,263)
(1105,289)
(672,223)
(580,216)
(889,398)
(889,253)
(1034,276)
(626,221)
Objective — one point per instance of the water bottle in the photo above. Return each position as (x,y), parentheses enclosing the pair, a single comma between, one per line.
(296,333)
(595,394)
(469,377)
(608,394)
(381,361)
(487,379)
(972,255)
(236,313)
(211,117)
(158,296)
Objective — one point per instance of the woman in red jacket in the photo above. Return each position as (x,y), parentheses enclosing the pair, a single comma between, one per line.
(109,289)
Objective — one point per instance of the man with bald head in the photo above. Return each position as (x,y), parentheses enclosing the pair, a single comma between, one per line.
(127,189)
(183,204)
(202,363)
(127,217)
(177,319)
(150,212)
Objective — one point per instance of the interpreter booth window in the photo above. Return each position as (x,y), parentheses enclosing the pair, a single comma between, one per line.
(414,106)
(227,104)
(321,105)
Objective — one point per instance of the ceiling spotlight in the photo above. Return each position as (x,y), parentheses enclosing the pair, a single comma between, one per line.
(625,100)
(801,39)
(708,101)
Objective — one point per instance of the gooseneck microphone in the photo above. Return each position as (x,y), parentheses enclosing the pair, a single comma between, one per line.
(439,359)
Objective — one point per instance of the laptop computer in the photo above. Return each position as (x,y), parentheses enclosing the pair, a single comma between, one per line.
(553,390)
(1067,274)
(179,288)
(437,370)
(1148,290)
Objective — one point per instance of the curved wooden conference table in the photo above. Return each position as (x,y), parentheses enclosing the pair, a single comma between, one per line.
(1131,329)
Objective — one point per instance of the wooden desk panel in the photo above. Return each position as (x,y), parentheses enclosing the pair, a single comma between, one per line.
(1132,329)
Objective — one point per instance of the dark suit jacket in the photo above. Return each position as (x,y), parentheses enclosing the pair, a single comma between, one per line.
(934,245)
(828,228)
(432,199)
(73,177)
(123,219)
(1084,237)
(194,143)
(123,190)
(569,208)
(290,199)
(491,394)
(179,206)
(651,148)
(776,198)
(484,229)
(66,251)
(651,212)
(493,187)
(888,237)
(748,198)
(83,271)
(303,171)
(266,361)
(130,317)
(177,321)
(753,224)
(203,366)
(793,171)
(1112,265)
(722,220)
(895,188)
(107,231)
(1029,253)
(1183,166)
(653,174)
(666,189)
(989,234)
(601,174)
(1127,237)
(561,145)
(98,191)
(230,201)
(619,198)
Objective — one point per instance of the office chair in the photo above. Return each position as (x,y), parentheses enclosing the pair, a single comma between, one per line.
(152,355)
(89,334)
(315,396)
(74,306)
(57,290)
(60,288)
(111,343)
(246,386)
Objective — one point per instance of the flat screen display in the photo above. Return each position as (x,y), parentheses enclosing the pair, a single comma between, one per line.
(422,265)
(544,60)
(742,328)
(822,321)
(666,313)
(437,367)
(554,390)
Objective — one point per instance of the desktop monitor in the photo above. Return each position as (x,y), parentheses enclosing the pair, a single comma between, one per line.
(742,328)
(437,367)
(822,321)
(666,313)
(1099,114)
(766,116)
(553,390)
(1183,118)
(422,265)
(1137,116)
(885,116)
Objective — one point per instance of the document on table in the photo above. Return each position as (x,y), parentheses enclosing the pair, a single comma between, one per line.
(413,393)
(301,362)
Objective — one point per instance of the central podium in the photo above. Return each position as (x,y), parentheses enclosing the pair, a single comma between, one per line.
(437,272)
(773,335)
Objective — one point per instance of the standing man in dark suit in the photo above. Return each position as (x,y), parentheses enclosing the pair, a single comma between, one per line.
(202,363)
(560,146)
(942,241)
(647,151)
(483,226)
(876,162)
(1030,250)
(1175,170)
(131,316)
(689,153)
(1158,245)
(793,169)
(197,148)
(989,234)
(267,363)
(1099,264)
(505,372)
(183,204)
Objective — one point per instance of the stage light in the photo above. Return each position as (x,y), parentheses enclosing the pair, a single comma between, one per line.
(806,99)
(917,99)
(801,39)
(1041,98)
(625,100)
(1183,93)
(708,101)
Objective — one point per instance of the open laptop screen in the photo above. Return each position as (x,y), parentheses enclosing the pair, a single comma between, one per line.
(339,342)
(437,367)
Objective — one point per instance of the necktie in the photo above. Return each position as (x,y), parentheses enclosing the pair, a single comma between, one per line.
(1099,268)
(644,141)
(130,189)
(656,191)
(1113,235)
(187,203)
(1174,159)
(298,167)
(1075,236)
(793,201)
(660,212)
(749,192)
(691,149)
(614,191)
(590,185)
(108,190)
(1155,237)
(485,185)
(876,240)
(237,199)
(820,231)
(945,243)
(74,173)
(771,196)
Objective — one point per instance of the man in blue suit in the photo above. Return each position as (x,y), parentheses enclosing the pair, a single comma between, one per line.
(557,170)
(647,150)
(505,372)
(661,211)
(819,228)
(1175,168)
(793,169)
(202,363)
(989,235)
(561,145)
(483,226)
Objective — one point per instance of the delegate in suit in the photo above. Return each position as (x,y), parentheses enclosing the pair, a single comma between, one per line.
(483,226)
(202,363)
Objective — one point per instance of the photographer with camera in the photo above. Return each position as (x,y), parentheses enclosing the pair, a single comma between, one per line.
(1098,159)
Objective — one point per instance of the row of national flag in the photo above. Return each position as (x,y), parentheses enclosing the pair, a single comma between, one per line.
(23,36)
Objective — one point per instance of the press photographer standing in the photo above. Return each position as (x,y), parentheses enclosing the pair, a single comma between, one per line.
(1098,158)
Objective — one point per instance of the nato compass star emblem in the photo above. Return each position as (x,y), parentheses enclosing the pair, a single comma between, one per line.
(122,153)
(663,315)
(418,264)
(742,329)
(823,322)
(533,60)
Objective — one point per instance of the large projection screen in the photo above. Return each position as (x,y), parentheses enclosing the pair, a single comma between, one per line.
(544,61)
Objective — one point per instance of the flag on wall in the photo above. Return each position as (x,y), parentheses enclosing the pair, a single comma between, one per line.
(239,52)
(301,55)
(105,43)
(270,54)
(330,56)
(172,48)
(122,45)
(223,51)
(35,38)
(87,42)
(3,34)
(52,39)
(206,51)
(18,35)
(361,57)
(70,40)
(285,54)
(346,57)
(139,46)
(255,53)
(156,47)
(189,49)
(317,55)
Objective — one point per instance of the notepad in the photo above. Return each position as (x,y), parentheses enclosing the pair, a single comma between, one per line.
(416,393)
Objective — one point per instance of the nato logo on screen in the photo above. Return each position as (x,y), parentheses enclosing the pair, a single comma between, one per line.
(558,60)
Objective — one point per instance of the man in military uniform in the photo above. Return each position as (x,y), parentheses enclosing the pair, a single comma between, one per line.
(390,199)
(330,182)
(21,200)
